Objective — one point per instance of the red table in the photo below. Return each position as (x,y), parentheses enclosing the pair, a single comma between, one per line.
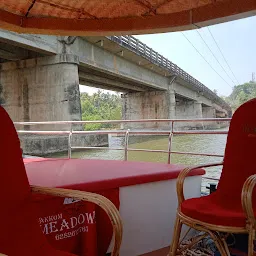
(71,225)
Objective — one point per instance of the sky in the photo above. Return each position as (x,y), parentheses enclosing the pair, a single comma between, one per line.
(236,40)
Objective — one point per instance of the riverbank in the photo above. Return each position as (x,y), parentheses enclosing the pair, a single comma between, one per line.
(37,145)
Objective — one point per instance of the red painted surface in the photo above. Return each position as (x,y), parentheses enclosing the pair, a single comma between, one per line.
(20,233)
(74,226)
(100,176)
(119,17)
(224,206)
(96,175)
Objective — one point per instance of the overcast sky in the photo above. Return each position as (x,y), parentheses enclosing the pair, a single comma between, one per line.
(236,40)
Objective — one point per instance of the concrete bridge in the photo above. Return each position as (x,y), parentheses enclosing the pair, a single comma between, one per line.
(40,77)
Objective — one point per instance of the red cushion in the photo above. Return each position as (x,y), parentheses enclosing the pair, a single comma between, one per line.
(20,233)
(208,209)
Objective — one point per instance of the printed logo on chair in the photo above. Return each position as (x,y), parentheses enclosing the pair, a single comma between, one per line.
(70,200)
(249,129)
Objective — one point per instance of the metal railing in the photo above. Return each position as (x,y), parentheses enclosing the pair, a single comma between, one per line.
(126,133)
(135,45)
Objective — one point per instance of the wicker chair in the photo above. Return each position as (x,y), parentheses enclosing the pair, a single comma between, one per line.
(232,208)
(20,233)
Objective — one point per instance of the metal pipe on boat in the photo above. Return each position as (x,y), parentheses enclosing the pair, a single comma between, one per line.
(196,154)
(101,148)
(126,121)
(170,147)
(69,143)
(126,149)
(126,145)
(201,132)
(167,152)
(120,132)
(44,132)
(148,150)
(170,143)
(127,134)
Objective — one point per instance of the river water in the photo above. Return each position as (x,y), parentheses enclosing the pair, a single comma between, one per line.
(212,144)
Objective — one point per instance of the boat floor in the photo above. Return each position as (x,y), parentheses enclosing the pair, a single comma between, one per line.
(161,252)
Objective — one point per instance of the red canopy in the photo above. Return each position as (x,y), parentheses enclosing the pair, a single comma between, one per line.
(104,17)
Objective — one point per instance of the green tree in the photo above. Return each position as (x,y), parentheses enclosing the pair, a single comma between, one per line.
(241,94)
(100,106)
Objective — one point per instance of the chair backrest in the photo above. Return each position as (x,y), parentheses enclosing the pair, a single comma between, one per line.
(14,183)
(240,154)
(20,233)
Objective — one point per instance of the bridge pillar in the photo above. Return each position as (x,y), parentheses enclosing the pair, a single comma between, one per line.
(172,104)
(209,112)
(148,105)
(44,89)
(198,111)
(188,109)
(41,89)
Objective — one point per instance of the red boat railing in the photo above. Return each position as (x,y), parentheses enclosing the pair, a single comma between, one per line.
(127,133)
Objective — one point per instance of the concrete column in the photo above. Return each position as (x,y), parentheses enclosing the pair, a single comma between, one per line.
(214,112)
(220,114)
(188,109)
(148,105)
(172,104)
(172,98)
(209,112)
(42,89)
(198,112)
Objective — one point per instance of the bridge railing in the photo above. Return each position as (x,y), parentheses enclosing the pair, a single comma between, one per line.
(154,57)
(127,133)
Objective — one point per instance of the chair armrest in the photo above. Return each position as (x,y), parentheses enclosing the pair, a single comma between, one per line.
(246,198)
(182,176)
(99,200)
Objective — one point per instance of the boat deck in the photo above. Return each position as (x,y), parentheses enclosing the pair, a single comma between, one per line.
(161,252)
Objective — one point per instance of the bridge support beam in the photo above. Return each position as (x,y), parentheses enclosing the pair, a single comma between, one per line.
(164,105)
(188,109)
(209,112)
(148,105)
(198,111)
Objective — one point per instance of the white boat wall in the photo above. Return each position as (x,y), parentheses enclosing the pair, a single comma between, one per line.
(148,212)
